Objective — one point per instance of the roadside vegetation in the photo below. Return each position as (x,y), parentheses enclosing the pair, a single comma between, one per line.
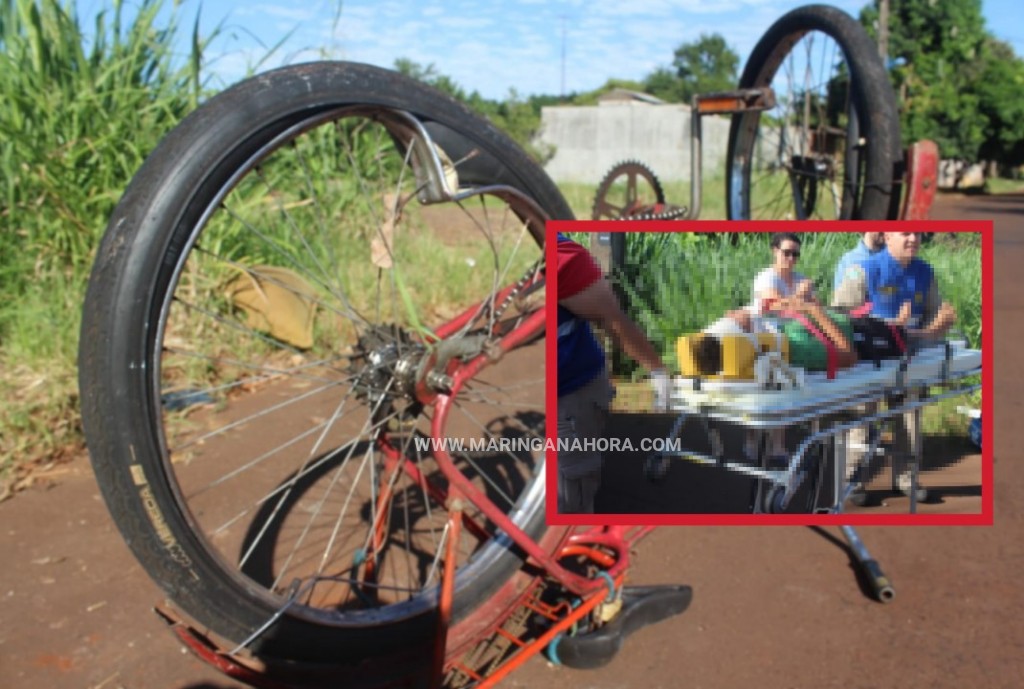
(80,109)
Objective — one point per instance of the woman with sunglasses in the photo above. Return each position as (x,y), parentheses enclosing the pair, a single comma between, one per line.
(777,287)
(779,280)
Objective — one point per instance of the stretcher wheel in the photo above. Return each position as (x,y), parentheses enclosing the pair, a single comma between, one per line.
(656,467)
(772,500)
(859,497)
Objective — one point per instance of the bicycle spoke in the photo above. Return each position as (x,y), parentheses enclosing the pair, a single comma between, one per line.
(285,494)
(332,220)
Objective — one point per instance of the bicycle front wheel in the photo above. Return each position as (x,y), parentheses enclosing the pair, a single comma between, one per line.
(829,148)
(286,288)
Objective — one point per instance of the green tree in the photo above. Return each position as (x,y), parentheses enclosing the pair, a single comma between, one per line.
(665,84)
(702,66)
(591,97)
(957,85)
(1001,93)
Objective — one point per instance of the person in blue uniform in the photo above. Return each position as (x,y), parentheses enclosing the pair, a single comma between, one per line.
(869,245)
(892,279)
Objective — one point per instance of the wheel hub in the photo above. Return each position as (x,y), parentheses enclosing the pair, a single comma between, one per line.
(384,367)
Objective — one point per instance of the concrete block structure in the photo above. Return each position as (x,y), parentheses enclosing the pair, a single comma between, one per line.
(589,140)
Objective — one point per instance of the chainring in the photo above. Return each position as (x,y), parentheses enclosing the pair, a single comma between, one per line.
(644,196)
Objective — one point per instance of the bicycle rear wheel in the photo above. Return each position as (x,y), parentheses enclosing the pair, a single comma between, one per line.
(286,287)
(830,147)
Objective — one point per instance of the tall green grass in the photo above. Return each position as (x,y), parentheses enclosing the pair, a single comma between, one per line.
(80,108)
(678,283)
(79,113)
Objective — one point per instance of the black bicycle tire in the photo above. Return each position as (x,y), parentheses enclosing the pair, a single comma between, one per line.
(871,92)
(117,334)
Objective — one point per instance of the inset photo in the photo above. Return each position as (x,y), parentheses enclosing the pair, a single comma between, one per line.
(768,372)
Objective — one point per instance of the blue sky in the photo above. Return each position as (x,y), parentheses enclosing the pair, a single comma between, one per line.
(492,47)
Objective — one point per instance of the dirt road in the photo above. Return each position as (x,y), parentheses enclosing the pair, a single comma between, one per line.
(774,607)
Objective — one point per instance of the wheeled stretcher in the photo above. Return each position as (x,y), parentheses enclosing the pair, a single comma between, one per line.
(828,407)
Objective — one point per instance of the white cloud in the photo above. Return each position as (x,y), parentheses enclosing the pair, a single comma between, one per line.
(492,46)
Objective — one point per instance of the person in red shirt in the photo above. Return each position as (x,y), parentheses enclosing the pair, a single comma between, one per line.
(585,297)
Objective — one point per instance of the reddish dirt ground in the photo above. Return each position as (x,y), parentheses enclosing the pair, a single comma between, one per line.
(774,607)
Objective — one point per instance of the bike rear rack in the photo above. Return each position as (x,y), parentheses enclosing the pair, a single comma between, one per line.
(718,103)
(918,171)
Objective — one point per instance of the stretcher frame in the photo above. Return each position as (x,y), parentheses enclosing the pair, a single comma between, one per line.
(827,416)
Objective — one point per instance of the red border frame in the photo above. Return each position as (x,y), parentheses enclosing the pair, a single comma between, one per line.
(984,518)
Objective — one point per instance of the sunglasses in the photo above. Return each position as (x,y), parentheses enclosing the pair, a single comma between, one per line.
(791,253)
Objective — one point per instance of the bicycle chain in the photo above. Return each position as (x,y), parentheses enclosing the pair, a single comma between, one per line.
(518,287)
(646,214)
(468,346)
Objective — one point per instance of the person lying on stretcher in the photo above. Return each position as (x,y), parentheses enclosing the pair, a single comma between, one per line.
(809,330)
(790,318)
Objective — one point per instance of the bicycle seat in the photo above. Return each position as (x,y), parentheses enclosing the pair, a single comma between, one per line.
(641,606)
